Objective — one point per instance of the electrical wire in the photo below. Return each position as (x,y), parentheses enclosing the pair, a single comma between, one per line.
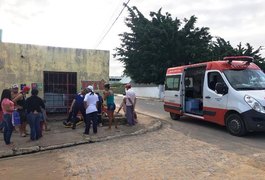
(124,5)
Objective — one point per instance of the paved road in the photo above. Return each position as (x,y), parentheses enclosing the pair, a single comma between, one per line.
(185,149)
(204,131)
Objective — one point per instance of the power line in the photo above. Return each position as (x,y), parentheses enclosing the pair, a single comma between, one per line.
(124,5)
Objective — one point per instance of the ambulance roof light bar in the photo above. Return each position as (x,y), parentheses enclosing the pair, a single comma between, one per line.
(248,59)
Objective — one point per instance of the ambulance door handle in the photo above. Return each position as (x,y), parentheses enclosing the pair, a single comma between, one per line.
(207,97)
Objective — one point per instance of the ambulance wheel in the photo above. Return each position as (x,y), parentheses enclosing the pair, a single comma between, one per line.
(174,116)
(235,125)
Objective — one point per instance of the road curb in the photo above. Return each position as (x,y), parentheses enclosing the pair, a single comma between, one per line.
(34,149)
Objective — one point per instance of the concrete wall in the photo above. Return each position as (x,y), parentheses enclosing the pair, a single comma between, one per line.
(151,92)
(24,64)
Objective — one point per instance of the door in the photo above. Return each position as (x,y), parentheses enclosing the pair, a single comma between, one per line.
(214,105)
(193,84)
(173,94)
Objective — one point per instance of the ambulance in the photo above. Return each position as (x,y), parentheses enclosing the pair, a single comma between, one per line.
(228,92)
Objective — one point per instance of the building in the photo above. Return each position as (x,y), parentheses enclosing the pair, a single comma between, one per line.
(114,79)
(58,73)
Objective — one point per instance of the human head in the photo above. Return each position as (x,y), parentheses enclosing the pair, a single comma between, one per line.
(6,93)
(14,88)
(128,86)
(107,86)
(90,88)
(83,91)
(34,92)
(25,89)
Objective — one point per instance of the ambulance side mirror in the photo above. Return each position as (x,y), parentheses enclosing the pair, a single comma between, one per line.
(221,88)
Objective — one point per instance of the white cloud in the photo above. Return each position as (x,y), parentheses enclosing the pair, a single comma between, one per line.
(82,23)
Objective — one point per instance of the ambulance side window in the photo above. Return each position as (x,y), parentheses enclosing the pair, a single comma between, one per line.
(213,78)
(172,83)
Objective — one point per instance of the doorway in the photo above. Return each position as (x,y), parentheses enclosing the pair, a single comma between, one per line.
(59,90)
(193,83)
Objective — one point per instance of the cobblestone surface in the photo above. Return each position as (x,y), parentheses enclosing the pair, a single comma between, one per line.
(165,154)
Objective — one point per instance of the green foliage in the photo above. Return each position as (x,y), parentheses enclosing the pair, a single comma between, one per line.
(118,88)
(221,48)
(154,44)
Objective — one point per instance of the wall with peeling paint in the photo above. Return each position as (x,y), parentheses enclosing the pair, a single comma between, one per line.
(23,63)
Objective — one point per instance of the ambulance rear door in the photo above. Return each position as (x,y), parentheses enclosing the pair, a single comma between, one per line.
(173,95)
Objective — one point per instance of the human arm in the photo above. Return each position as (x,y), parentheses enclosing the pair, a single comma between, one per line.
(105,95)
(122,104)
(8,105)
(134,102)
(85,102)
(120,108)
(42,105)
(72,105)
(17,98)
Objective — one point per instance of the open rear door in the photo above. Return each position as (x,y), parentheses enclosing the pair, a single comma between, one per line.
(173,95)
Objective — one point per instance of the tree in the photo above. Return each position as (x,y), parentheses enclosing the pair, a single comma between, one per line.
(154,45)
(221,48)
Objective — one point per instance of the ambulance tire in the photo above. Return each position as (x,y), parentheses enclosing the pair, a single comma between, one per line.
(235,125)
(174,116)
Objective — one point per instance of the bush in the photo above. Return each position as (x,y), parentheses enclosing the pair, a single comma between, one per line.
(118,88)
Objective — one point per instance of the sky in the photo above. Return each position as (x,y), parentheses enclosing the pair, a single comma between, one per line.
(83,23)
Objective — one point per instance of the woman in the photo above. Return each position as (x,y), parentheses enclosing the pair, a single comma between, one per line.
(109,98)
(33,106)
(7,107)
(20,103)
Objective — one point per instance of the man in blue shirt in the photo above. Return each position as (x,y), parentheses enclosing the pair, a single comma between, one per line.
(76,106)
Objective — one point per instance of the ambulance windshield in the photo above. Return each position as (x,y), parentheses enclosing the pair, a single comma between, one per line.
(246,79)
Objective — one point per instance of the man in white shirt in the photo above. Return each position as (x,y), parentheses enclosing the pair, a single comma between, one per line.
(130,104)
(91,103)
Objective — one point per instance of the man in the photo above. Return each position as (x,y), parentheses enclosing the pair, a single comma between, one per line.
(91,106)
(76,106)
(130,104)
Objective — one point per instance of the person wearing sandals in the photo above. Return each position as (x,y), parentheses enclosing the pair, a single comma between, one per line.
(109,98)
(7,106)
(20,103)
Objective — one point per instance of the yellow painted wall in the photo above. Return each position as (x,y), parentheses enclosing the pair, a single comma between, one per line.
(22,63)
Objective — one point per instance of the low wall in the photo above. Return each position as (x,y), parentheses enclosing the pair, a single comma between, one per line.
(152,92)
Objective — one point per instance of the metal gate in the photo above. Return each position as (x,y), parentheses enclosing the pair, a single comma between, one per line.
(59,90)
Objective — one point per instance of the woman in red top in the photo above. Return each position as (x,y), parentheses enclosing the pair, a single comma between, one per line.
(7,107)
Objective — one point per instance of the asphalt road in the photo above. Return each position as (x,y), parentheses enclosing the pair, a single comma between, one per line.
(204,131)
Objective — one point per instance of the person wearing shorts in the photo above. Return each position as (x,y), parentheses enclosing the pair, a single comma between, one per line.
(109,98)
(20,100)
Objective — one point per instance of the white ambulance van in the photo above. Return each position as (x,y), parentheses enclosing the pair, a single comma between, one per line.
(229,92)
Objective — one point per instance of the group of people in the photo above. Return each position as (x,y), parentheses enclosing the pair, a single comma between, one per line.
(30,111)
(90,104)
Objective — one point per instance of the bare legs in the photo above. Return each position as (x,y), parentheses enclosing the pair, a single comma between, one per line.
(111,118)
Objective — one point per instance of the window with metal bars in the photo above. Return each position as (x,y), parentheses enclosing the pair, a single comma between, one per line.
(59,90)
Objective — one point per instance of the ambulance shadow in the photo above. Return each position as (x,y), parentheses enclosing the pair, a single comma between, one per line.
(218,128)
(203,124)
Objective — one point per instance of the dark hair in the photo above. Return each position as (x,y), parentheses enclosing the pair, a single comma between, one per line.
(6,93)
(107,86)
(34,92)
